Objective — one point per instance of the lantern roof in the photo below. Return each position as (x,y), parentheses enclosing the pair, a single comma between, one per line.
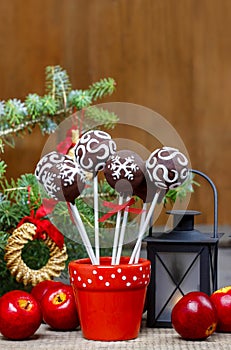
(183,230)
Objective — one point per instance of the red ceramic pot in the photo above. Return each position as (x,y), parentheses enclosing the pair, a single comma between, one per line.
(110,298)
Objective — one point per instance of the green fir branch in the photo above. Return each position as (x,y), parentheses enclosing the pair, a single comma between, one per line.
(103,87)
(34,105)
(79,99)
(49,105)
(18,117)
(15,111)
(3,167)
(9,215)
(24,191)
(57,84)
(18,198)
(3,239)
(102,116)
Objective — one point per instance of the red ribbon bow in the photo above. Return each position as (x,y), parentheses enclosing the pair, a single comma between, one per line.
(118,207)
(43,226)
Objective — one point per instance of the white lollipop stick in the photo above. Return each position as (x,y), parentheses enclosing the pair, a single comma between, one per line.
(144,228)
(96,215)
(116,234)
(83,234)
(122,232)
(142,220)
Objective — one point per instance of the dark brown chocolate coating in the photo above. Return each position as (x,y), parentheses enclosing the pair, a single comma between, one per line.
(61,177)
(124,171)
(93,150)
(146,190)
(72,179)
(167,168)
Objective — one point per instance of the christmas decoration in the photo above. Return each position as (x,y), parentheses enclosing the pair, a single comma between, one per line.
(20,117)
(124,171)
(17,266)
(59,102)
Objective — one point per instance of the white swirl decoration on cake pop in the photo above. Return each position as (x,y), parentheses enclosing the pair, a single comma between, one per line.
(61,178)
(93,150)
(167,167)
(48,175)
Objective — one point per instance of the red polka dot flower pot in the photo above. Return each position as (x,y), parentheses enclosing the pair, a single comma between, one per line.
(110,298)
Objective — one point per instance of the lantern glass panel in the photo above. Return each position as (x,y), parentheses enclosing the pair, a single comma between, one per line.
(176,275)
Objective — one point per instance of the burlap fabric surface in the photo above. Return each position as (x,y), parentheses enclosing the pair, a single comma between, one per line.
(158,339)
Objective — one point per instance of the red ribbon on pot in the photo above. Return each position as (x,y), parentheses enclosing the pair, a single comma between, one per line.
(118,207)
(43,226)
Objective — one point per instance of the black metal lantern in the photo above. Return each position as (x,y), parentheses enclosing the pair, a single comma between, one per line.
(182,260)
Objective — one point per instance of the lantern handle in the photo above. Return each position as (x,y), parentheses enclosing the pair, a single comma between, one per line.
(215,199)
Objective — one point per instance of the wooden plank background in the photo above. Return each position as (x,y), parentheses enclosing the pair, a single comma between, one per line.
(173,56)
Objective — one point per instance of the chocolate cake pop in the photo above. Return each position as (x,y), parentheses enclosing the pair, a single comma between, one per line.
(167,168)
(124,171)
(62,178)
(73,179)
(93,150)
(146,189)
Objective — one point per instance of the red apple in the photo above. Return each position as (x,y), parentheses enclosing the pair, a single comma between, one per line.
(20,315)
(222,301)
(41,288)
(194,316)
(59,308)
